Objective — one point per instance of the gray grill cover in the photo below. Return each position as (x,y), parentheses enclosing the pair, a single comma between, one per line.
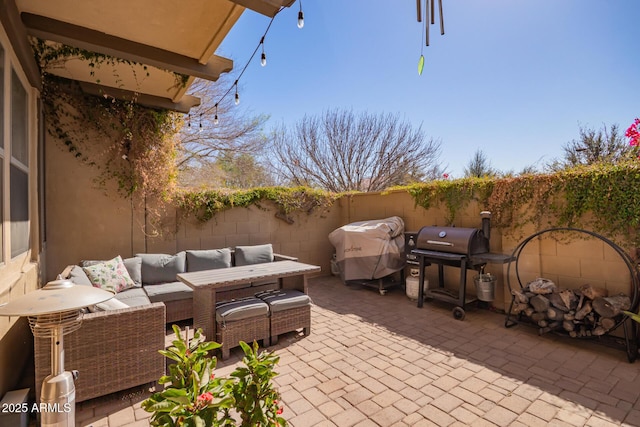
(368,250)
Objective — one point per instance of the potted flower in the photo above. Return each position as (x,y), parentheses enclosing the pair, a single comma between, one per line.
(194,396)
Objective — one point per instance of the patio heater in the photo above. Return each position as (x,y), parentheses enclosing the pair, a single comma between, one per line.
(54,311)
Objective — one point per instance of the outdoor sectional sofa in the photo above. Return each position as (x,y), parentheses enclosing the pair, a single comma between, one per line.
(117,345)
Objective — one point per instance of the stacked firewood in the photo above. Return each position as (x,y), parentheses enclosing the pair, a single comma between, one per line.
(581,312)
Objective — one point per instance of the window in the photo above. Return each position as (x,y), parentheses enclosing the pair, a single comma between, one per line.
(19,173)
(1,154)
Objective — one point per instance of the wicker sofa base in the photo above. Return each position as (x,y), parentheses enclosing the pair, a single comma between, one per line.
(113,350)
(229,334)
(179,310)
(290,320)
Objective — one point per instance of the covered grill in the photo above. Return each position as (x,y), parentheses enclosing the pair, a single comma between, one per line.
(465,248)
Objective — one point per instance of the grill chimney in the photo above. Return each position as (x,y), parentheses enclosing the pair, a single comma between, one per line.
(486,223)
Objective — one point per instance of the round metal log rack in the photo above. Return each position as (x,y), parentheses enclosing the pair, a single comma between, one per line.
(629,326)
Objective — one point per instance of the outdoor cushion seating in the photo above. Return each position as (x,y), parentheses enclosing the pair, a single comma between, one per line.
(246,319)
(289,310)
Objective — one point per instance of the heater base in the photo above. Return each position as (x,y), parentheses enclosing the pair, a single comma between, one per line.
(57,406)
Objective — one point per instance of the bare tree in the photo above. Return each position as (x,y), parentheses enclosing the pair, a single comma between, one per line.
(606,145)
(203,140)
(341,151)
(479,166)
(229,170)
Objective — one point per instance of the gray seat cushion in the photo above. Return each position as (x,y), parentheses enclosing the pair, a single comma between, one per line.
(245,308)
(257,254)
(208,259)
(133,297)
(165,292)
(284,299)
(161,268)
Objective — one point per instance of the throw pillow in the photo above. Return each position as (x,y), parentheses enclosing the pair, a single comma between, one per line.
(110,304)
(257,254)
(161,268)
(208,259)
(110,275)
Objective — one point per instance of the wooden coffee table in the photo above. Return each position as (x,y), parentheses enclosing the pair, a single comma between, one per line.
(207,283)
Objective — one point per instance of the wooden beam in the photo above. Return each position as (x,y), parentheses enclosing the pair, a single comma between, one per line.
(265,7)
(183,106)
(96,41)
(10,18)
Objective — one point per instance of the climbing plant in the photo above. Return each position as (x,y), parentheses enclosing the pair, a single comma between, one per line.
(128,143)
(204,204)
(601,197)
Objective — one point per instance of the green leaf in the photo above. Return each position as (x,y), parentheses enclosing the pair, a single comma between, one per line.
(633,316)
(420,65)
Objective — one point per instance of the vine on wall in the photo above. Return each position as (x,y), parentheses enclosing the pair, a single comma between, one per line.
(205,204)
(604,198)
(128,143)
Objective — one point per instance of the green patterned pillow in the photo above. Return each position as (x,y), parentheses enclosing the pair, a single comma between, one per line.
(110,275)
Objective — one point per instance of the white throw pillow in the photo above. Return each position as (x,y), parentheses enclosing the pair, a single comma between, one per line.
(110,275)
(110,304)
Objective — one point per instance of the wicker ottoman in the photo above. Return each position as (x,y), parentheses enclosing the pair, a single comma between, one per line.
(245,319)
(290,310)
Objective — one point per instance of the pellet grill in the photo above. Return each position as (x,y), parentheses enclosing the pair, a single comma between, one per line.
(464,248)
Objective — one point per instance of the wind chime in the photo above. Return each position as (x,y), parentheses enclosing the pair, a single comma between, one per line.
(429,18)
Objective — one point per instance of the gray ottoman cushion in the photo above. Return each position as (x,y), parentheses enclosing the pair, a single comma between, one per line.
(208,259)
(245,308)
(284,299)
(133,297)
(161,268)
(165,292)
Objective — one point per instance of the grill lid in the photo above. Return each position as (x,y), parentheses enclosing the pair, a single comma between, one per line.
(468,241)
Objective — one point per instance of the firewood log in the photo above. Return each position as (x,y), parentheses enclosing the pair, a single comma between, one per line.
(520,307)
(538,316)
(573,334)
(543,323)
(555,299)
(520,296)
(607,323)
(598,331)
(586,309)
(568,326)
(611,306)
(570,315)
(593,292)
(540,303)
(555,314)
(541,286)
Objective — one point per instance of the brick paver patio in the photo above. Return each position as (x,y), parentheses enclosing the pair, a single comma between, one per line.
(376,360)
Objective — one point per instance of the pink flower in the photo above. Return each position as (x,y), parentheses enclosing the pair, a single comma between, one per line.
(633,134)
(205,397)
(445,175)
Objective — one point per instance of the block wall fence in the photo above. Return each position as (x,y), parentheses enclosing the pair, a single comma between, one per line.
(85,223)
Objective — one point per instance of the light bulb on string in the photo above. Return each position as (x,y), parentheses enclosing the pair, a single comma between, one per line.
(189,120)
(263,57)
(215,118)
(237,95)
(300,16)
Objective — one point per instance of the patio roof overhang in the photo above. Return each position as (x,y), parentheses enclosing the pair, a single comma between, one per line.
(164,38)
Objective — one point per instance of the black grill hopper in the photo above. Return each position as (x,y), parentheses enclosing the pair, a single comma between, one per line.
(464,248)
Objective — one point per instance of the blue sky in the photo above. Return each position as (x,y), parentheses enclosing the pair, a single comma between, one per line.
(515,79)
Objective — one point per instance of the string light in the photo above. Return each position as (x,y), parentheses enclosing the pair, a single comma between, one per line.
(263,61)
(300,16)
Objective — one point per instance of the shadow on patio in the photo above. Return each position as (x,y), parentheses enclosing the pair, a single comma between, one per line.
(376,360)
